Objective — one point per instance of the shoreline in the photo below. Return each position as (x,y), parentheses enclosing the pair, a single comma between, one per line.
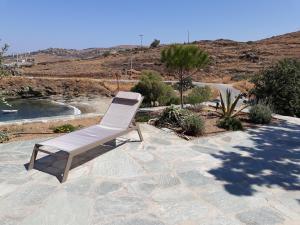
(83,107)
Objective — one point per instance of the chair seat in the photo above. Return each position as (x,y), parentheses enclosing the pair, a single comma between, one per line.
(81,138)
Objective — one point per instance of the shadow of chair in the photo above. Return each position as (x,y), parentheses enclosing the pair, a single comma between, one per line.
(55,163)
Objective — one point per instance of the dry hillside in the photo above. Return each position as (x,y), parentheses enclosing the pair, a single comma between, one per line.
(228,59)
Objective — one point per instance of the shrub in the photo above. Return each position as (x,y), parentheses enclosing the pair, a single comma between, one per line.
(172,116)
(260,113)
(189,122)
(193,125)
(152,87)
(65,128)
(230,123)
(3,137)
(199,95)
(240,77)
(106,54)
(155,43)
(142,117)
(279,86)
(168,96)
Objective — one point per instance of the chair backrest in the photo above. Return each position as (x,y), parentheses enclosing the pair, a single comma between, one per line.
(122,110)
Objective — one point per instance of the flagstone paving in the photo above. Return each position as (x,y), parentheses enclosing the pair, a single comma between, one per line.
(233,178)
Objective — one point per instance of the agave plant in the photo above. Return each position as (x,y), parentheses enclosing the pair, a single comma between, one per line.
(172,115)
(228,107)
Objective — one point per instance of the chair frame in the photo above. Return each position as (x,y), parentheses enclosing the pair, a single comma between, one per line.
(73,153)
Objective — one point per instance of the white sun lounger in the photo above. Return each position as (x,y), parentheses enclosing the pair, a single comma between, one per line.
(117,121)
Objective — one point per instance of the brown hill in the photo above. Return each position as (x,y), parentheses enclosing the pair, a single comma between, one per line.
(228,59)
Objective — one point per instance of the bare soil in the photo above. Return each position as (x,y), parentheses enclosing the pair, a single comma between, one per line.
(211,117)
(34,130)
(228,59)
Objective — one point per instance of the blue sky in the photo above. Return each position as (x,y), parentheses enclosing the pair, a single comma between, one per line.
(29,25)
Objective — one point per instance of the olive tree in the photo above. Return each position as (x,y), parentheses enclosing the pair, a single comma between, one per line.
(182,60)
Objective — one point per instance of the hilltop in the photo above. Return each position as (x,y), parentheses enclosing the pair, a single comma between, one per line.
(229,59)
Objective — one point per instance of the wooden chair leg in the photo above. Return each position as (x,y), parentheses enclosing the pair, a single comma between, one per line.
(67,168)
(33,157)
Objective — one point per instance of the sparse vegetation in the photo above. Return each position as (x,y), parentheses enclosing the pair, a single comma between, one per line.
(199,95)
(260,113)
(65,128)
(193,125)
(143,117)
(106,54)
(155,43)
(230,123)
(154,90)
(172,116)
(240,77)
(279,86)
(189,122)
(3,50)
(182,60)
(3,137)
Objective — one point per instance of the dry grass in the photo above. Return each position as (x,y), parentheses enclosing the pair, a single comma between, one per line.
(227,59)
(243,86)
(123,86)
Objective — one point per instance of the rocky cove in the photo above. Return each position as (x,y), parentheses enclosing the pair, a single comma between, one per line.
(34,97)
(25,87)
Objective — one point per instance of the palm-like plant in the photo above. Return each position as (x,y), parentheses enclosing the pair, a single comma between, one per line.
(182,59)
(228,107)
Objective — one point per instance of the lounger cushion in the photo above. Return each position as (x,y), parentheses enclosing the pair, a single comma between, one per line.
(129,95)
(81,138)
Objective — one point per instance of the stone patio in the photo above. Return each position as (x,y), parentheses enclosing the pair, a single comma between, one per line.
(248,177)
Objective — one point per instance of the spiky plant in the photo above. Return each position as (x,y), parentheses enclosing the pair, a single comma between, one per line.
(228,107)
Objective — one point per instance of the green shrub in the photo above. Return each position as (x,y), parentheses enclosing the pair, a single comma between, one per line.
(106,54)
(279,86)
(152,87)
(193,125)
(189,122)
(3,137)
(168,96)
(65,128)
(172,116)
(142,117)
(199,95)
(230,123)
(260,113)
(155,43)
(239,77)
